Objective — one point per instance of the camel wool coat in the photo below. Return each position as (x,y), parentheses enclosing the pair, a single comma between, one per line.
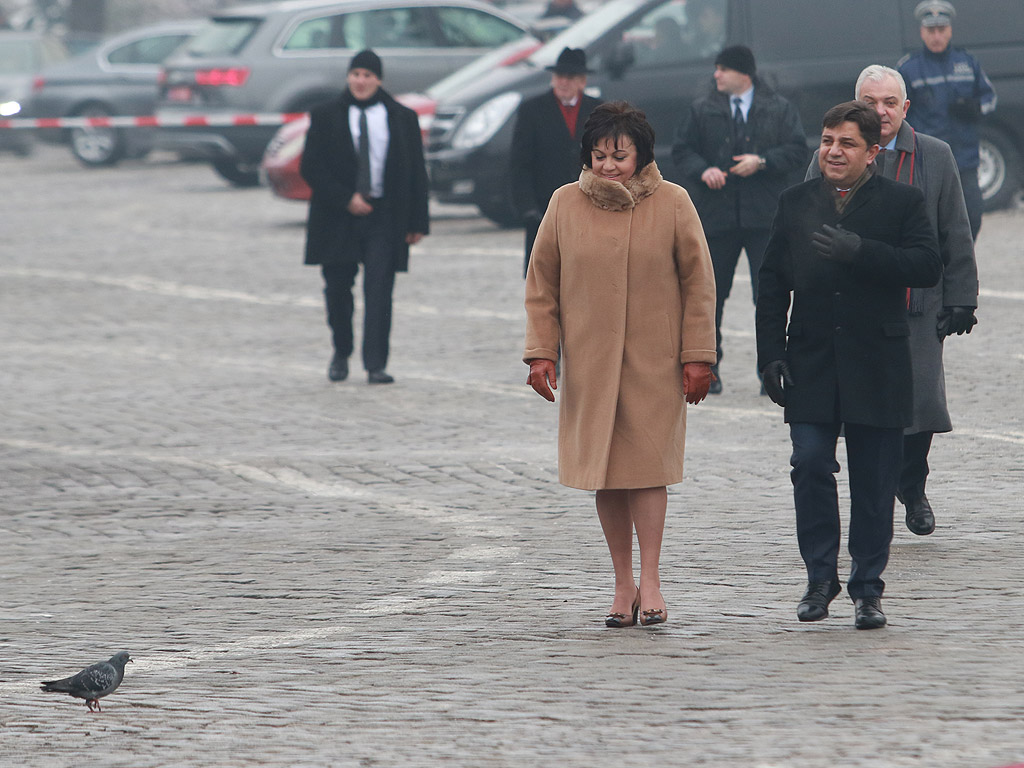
(620,281)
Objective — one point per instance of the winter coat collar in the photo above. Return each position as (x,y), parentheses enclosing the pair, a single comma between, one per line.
(613,196)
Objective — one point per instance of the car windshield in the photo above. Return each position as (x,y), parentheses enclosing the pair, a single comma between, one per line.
(17,57)
(223,36)
(586,30)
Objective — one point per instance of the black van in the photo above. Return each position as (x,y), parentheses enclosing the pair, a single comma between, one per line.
(659,54)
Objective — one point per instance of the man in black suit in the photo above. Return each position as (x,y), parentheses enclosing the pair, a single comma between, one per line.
(844,248)
(546,140)
(364,162)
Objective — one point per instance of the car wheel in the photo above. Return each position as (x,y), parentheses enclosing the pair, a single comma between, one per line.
(501,211)
(97,147)
(239,173)
(999,173)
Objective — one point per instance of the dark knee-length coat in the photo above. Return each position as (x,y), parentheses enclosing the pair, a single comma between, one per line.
(329,167)
(847,339)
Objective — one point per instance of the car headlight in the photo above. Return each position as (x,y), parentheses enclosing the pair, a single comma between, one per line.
(486,120)
(9,108)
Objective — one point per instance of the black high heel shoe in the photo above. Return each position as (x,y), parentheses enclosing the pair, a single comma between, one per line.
(618,620)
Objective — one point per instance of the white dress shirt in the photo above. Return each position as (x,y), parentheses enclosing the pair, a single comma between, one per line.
(377,125)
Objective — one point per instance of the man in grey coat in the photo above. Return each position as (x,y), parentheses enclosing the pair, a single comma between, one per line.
(934,313)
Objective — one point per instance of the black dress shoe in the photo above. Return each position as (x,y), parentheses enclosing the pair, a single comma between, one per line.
(814,604)
(920,518)
(379,377)
(716,385)
(338,369)
(868,611)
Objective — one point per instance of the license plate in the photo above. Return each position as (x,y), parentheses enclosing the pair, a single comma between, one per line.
(179,93)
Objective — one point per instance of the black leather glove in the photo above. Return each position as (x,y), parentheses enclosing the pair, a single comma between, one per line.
(776,377)
(958,320)
(836,243)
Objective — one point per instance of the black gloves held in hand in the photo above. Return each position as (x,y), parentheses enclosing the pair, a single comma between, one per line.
(776,377)
(958,320)
(836,243)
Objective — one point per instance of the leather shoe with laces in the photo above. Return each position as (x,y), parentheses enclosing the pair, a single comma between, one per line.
(868,612)
(338,369)
(920,518)
(814,604)
(379,377)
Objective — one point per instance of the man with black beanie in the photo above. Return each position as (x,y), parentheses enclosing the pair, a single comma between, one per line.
(364,162)
(737,149)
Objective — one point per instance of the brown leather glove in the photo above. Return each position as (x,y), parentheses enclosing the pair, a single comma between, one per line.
(542,371)
(697,378)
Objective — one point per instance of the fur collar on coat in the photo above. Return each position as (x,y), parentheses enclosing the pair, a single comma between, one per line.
(613,196)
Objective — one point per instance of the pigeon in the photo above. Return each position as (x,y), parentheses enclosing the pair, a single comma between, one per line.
(92,683)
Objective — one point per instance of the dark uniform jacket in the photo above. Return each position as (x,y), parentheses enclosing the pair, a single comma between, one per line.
(705,139)
(847,344)
(544,154)
(329,167)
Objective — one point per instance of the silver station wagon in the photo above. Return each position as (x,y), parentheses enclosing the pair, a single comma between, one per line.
(289,56)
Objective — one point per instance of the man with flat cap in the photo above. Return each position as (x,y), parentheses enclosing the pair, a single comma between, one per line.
(949,92)
(736,150)
(364,162)
(546,140)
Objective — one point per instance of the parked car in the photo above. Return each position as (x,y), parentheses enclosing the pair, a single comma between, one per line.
(118,77)
(283,155)
(810,51)
(22,54)
(289,56)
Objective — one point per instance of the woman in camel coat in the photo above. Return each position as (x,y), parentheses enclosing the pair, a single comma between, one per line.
(621,285)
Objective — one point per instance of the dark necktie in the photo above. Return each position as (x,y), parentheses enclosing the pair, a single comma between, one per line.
(739,127)
(363,171)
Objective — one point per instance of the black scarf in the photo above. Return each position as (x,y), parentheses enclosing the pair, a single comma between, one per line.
(351,101)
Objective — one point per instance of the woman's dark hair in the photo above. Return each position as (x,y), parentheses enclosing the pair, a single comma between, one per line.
(616,120)
(859,113)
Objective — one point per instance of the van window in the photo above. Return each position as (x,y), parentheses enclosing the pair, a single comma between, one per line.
(148,50)
(678,31)
(224,36)
(470,28)
(811,29)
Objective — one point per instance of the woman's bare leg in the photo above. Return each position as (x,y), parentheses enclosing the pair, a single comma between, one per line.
(613,509)
(647,510)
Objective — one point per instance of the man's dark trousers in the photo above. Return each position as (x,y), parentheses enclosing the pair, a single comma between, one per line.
(972,198)
(873,458)
(725,250)
(375,243)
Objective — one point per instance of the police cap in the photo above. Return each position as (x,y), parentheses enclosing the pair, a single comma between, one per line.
(935,13)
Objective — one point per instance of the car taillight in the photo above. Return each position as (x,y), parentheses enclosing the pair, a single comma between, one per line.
(161,79)
(38,83)
(232,76)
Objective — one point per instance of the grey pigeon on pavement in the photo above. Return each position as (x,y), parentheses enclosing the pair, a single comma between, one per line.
(92,683)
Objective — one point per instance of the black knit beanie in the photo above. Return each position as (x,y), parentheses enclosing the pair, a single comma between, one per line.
(737,57)
(367,60)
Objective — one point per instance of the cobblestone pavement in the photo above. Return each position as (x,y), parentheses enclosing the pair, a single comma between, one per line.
(311,574)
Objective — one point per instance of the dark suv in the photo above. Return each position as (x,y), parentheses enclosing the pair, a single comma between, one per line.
(811,51)
(289,56)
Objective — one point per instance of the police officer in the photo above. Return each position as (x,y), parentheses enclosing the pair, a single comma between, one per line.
(948,94)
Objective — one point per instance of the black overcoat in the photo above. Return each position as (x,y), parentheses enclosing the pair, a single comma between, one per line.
(847,345)
(704,139)
(544,154)
(329,167)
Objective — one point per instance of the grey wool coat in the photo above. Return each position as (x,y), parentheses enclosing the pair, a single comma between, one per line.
(935,174)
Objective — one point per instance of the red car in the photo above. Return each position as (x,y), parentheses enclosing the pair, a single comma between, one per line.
(281,160)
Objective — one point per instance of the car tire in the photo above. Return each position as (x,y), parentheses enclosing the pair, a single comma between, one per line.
(239,173)
(501,211)
(97,147)
(1000,171)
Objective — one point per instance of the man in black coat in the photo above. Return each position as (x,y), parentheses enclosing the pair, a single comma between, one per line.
(736,150)
(546,140)
(364,162)
(845,248)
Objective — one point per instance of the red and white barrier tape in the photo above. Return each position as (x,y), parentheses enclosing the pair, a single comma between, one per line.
(152,121)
